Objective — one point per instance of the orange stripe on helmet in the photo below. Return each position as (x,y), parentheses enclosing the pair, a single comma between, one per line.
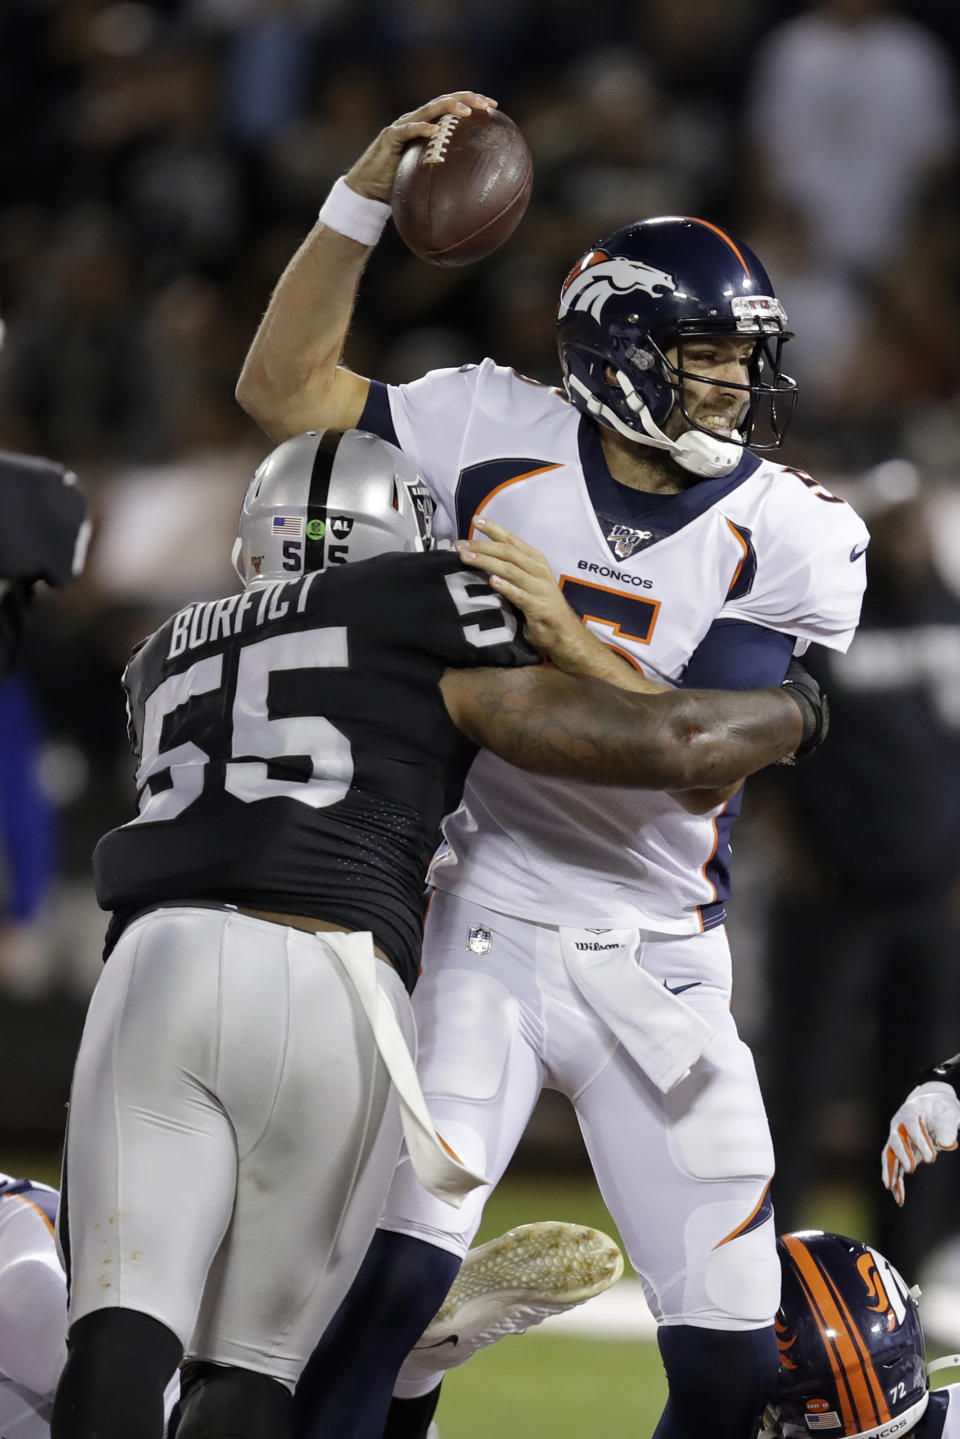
(856,1400)
(586,262)
(726,240)
(876,1388)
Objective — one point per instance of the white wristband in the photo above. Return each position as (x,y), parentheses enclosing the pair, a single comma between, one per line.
(356,216)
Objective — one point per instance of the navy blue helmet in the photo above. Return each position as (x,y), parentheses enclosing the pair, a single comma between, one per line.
(851,1346)
(651,286)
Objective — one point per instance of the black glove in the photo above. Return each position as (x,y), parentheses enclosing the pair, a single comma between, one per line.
(804,689)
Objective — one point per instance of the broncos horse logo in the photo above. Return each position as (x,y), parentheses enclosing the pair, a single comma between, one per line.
(598,277)
(885,1288)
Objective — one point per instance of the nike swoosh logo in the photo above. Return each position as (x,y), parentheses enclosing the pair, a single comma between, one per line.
(450,1339)
(856,553)
(681,987)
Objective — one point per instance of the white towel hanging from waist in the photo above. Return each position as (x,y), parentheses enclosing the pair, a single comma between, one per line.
(435,1164)
(665,1036)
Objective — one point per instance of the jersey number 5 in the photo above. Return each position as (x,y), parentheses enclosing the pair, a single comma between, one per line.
(179,772)
(627,616)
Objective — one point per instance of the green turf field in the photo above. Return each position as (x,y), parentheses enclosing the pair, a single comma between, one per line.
(533,1386)
(537,1387)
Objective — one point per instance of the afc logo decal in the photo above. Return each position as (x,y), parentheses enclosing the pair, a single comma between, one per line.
(598,278)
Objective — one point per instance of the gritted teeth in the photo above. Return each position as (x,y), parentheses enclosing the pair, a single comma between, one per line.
(435,150)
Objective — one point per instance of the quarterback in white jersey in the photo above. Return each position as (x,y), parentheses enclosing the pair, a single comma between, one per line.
(575,938)
(653,575)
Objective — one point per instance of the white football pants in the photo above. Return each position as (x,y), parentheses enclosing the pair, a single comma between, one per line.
(232,1135)
(684,1175)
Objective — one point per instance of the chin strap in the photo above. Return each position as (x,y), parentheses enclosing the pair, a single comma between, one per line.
(695,451)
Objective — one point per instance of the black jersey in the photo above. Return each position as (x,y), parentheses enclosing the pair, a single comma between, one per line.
(295,751)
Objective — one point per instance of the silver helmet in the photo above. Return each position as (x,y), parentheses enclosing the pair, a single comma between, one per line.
(325,499)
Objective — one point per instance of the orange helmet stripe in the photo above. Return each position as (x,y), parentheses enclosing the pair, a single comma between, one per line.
(726,240)
(879,1396)
(858,1407)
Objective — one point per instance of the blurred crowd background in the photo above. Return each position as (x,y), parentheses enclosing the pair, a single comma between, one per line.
(160,161)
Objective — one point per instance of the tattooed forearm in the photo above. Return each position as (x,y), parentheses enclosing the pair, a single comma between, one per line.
(552,723)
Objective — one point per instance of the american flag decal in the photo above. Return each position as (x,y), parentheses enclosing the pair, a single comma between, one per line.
(288,525)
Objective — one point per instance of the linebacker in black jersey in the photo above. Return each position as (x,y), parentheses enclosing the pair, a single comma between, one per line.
(299,743)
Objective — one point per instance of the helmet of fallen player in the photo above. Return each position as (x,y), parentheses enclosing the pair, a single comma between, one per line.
(651,286)
(324,498)
(851,1346)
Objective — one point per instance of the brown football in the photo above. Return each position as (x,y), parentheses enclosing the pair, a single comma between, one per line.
(458,195)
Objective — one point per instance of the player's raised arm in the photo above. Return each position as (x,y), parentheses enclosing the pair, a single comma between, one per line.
(576,728)
(292,379)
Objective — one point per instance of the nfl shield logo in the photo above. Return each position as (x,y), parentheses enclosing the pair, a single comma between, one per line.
(623,540)
(478,939)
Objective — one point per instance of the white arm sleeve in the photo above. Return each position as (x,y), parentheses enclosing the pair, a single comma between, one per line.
(430,417)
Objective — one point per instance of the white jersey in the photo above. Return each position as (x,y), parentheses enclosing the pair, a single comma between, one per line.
(33,1308)
(650,574)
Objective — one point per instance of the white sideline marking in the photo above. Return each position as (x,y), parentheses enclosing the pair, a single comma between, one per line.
(617,1313)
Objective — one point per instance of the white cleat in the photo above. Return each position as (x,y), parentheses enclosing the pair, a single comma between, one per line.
(512,1283)
(433,1432)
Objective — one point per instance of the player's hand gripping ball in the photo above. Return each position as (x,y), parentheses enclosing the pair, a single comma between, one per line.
(460,194)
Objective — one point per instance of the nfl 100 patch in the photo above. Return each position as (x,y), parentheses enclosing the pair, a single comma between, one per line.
(625,541)
(479,939)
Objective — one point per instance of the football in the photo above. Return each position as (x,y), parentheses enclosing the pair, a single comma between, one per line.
(460,194)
